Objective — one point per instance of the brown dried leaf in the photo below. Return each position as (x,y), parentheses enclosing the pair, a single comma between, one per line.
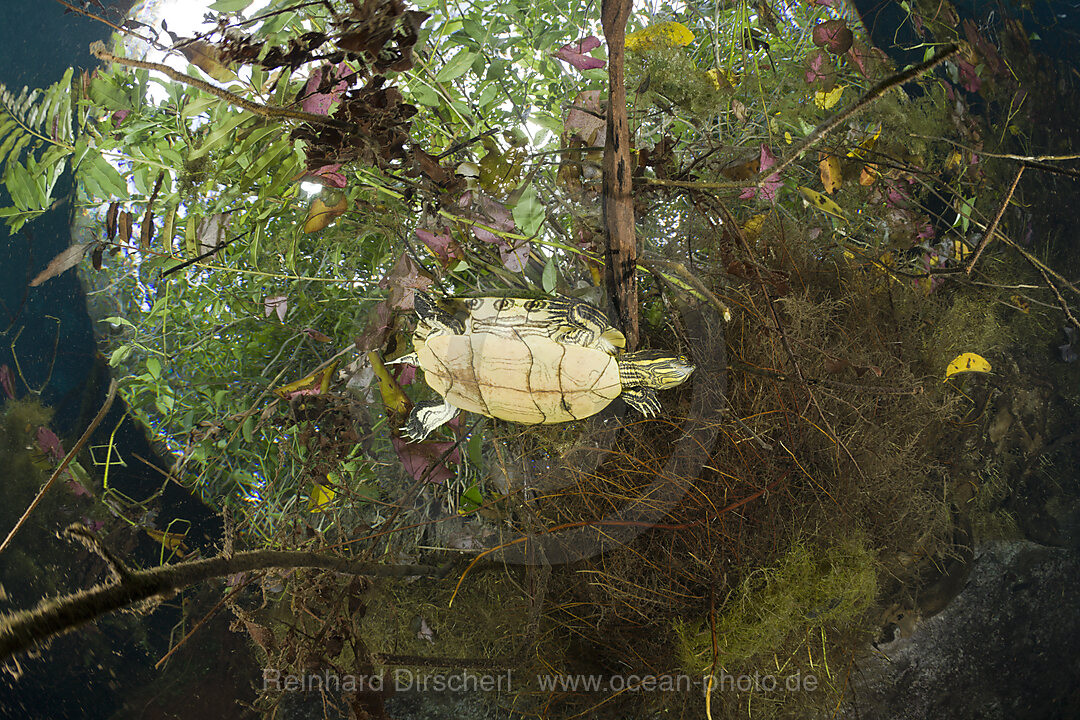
(125,227)
(110,220)
(61,263)
(146,230)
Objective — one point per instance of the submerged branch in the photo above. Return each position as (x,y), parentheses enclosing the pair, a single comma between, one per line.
(22,630)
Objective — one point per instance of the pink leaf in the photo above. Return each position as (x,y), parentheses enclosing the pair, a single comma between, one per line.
(278,304)
(77,488)
(833,35)
(329,175)
(859,54)
(7,381)
(816,59)
(441,244)
(515,256)
(772,183)
(420,459)
(50,444)
(968,77)
(767,158)
(406,374)
(319,103)
(574,53)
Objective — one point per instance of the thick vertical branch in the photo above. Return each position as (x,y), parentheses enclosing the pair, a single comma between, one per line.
(621,247)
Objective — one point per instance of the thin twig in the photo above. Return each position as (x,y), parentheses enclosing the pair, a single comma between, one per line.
(988,236)
(72,454)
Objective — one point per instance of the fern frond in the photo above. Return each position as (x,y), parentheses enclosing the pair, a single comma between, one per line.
(38,122)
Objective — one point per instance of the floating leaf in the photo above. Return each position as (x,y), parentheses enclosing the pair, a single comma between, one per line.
(316,383)
(146,230)
(442,245)
(207,58)
(529,213)
(665,34)
(967,362)
(822,203)
(550,277)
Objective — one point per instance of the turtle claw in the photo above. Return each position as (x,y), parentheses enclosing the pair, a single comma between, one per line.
(425,418)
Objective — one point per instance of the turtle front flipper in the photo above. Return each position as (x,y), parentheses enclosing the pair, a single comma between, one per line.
(642,399)
(427,417)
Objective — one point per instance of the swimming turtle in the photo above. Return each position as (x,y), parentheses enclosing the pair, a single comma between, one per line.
(531,361)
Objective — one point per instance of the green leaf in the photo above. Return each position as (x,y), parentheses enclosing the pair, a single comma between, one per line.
(425,95)
(120,354)
(230,6)
(153,366)
(456,67)
(529,213)
(101,180)
(117,320)
(550,277)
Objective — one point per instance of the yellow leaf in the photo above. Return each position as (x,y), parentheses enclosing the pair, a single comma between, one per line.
(321,212)
(865,146)
(954,159)
(1021,304)
(967,362)
(752,228)
(831,175)
(207,58)
(960,251)
(321,496)
(826,100)
(719,81)
(665,34)
(787,137)
(171,541)
(394,398)
(821,202)
(321,378)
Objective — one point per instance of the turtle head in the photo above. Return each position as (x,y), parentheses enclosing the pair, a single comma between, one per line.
(654,369)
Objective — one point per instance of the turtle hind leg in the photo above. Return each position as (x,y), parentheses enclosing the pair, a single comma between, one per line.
(427,417)
(642,399)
